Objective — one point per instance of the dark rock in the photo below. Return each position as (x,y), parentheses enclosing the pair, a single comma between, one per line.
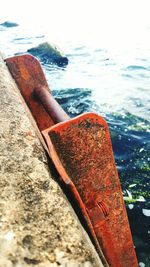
(49,53)
(9,24)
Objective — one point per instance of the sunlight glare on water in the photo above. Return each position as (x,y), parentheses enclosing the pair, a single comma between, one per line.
(115,22)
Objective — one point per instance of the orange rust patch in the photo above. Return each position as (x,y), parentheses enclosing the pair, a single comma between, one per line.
(28,74)
(24,73)
(84,150)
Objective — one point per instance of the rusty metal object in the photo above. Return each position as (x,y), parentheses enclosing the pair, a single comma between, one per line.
(82,153)
(28,74)
(50,104)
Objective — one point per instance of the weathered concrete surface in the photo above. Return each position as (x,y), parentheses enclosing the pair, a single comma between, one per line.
(37,225)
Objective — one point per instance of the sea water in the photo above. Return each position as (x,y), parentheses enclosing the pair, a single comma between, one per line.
(108,47)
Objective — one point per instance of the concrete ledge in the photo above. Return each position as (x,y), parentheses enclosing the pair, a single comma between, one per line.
(37,224)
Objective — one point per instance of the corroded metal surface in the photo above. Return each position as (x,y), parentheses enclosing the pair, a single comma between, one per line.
(82,153)
(50,104)
(28,74)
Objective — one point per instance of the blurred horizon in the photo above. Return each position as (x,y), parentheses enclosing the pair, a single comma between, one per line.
(106,21)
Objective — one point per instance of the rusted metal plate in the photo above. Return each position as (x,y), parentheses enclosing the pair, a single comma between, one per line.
(28,74)
(82,153)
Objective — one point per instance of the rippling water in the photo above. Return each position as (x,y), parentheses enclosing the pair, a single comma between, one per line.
(113,81)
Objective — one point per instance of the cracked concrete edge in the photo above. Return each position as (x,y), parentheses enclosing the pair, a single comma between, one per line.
(37,223)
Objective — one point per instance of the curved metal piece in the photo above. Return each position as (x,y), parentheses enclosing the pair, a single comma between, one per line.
(28,74)
(82,153)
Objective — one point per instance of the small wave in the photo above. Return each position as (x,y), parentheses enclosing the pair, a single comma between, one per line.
(74,101)
(79,48)
(27,38)
(135,67)
(135,72)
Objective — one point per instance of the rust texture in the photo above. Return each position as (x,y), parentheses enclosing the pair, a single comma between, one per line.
(50,104)
(83,147)
(28,74)
(82,153)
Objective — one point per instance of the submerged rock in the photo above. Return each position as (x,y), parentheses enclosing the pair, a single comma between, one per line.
(9,24)
(49,53)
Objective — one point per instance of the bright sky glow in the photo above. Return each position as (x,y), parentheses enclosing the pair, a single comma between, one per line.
(107,18)
(70,9)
